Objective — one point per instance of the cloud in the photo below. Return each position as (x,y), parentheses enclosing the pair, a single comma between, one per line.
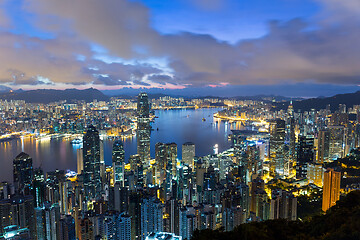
(161,79)
(293,51)
(28,57)
(33,61)
(346,8)
(119,25)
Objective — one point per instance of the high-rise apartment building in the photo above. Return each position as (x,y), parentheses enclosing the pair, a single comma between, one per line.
(19,211)
(151,216)
(323,146)
(337,142)
(283,205)
(331,188)
(48,221)
(118,162)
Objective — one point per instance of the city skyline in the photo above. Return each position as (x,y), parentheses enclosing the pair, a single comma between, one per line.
(271,164)
(179,120)
(247,47)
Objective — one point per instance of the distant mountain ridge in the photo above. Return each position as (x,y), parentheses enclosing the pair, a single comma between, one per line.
(52,95)
(349,99)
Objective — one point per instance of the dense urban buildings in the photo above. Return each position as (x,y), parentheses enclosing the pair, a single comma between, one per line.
(275,158)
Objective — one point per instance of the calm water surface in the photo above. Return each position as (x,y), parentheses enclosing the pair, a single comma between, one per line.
(177,126)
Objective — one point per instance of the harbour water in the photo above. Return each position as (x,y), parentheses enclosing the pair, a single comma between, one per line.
(179,126)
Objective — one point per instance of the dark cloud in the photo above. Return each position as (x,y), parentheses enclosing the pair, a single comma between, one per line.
(109,81)
(161,79)
(141,83)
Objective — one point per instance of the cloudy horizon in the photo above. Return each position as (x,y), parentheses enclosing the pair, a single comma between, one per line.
(286,47)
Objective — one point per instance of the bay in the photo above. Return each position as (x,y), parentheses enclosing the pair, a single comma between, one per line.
(179,126)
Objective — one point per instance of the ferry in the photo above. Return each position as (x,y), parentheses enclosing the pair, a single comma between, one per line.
(76,141)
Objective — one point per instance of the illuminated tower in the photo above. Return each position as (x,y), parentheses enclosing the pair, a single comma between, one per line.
(290,138)
(118,161)
(277,147)
(323,146)
(23,173)
(92,163)
(337,142)
(331,189)
(143,128)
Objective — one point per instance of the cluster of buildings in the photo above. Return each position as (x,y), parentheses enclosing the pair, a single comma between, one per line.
(116,117)
(169,198)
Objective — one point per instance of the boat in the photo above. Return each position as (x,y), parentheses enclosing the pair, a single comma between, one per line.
(76,141)
(203,119)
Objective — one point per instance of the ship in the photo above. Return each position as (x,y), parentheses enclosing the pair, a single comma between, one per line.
(203,119)
(76,141)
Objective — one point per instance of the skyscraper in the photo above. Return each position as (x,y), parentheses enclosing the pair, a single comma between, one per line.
(165,156)
(331,188)
(283,205)
(48,221)
(305,155)
(143,128)
(18,210)
(23,173)
(92,163)
(80,160)
(151,216)
(277,147)
(337,142)
(188,153)
(290,136)
(118,161)
(323,146)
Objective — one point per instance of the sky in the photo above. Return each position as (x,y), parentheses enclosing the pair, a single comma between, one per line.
(300,48)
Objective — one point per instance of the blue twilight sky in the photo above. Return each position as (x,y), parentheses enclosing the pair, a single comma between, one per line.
(191,47)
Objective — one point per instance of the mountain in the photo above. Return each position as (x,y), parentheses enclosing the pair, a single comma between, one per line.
(51,95)
(275,98)
(349,99)
(4,88)
(340,222)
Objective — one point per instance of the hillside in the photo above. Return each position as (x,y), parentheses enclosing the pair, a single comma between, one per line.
(340,222)
(51,95)
(349,99)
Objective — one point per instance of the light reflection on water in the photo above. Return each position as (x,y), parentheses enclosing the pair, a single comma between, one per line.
(177,126)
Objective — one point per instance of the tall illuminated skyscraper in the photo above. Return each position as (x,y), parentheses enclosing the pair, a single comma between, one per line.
(331,188)
(23,173)
(323,146)
(143,128)
(277,147)
(92,163)
(337,142)
(290,135)
(118,161)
